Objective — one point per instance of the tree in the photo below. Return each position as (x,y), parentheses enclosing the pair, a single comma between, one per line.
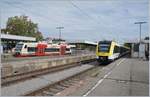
(39,36)
(21,25)
(4,31)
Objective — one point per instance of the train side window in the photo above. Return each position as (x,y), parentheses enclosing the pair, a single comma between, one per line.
(25,46)
(32,49)
(51,50)
(67,49)
(116,49)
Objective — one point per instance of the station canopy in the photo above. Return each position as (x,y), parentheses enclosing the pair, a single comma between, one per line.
(137,41)
(83,42)
(16,37)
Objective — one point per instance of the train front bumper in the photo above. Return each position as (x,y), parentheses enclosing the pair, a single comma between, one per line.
(102,58)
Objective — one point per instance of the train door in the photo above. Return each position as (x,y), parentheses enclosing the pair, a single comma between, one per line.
(41,49)
(62,50)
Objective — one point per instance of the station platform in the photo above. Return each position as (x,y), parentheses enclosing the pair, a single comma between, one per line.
(32,64)
(39,82)
(130,78)
(124,77)
(10,58)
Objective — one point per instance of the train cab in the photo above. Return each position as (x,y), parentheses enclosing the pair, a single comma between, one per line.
(107,51)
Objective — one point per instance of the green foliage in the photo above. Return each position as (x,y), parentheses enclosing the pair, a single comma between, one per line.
(39,36)
(4,31)
(21,25)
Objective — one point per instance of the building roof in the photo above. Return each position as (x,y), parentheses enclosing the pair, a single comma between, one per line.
(137,41)
(83,41)
(16,37)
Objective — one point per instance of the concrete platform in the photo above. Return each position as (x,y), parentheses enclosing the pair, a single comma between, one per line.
(14,68)
(10,58)
(41,81)
(129,78)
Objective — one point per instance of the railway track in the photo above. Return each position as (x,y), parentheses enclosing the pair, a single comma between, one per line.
(57,87)
(8,80)
(53,86)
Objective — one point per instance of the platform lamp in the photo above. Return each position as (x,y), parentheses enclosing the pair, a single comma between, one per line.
(140,23)
(59,28)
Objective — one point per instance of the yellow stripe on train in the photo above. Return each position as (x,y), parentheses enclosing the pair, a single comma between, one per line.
(106,53)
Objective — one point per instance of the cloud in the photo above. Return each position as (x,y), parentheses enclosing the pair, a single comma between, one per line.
(92,20)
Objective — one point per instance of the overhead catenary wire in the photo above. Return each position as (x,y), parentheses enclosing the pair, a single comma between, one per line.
(47,18)
(83,12)
(30,11)
(86,14)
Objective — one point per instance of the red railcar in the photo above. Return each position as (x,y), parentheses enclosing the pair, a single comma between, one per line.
(41,49)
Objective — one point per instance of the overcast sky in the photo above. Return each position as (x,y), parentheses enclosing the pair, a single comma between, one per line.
(92,20)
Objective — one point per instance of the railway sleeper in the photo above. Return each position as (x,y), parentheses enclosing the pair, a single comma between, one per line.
(60,87)
(69,82)
(73,81)
(46,93)
(64,85)
(54,90)
(76,79)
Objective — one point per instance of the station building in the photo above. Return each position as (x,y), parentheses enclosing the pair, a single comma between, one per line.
(83,46)
(9,41)
(138,49)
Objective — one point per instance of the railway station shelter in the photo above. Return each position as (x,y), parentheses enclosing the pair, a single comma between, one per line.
(83,45)
(9,41)
(139,49)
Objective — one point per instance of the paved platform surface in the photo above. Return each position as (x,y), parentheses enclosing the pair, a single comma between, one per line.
(24,66)
(20,59)
(130,77)
(41,81)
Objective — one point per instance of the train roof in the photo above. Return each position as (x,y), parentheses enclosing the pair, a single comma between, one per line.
(105,41)
(126,47)
(110,41)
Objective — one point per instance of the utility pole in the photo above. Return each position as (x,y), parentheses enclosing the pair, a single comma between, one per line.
(140,23)
(59,28)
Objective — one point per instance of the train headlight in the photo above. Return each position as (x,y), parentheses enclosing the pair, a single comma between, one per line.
(101,58)
(97,57)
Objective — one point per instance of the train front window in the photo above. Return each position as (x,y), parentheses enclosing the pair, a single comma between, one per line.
(19,46)
(104,47)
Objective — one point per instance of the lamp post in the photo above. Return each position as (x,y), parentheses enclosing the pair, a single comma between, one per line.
(140,23)
(59,28)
